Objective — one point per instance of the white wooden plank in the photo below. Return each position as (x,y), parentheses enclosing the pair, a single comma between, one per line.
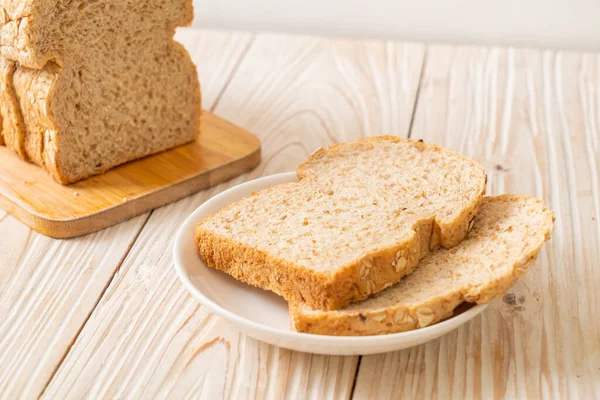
(47,290)
(48,287)
(216,55)
(532,119)
(148,338)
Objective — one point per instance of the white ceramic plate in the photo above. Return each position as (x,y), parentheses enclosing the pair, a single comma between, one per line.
(264,315)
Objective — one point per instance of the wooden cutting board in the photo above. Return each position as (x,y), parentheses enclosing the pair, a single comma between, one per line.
(222,151)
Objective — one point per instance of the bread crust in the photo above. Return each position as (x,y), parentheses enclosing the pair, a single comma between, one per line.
(32,87)
(371,273)
(15,34)
(1,128)
(400,318)
(12,119)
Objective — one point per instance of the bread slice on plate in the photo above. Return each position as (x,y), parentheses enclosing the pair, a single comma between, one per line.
(506,237)
(99,83)
(360,217)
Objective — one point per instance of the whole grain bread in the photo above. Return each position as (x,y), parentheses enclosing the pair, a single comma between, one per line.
(507,234)
(360,218)
(1,126)
(99,83)
(12,121)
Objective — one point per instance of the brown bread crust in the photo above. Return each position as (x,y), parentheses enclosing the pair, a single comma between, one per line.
(13,126)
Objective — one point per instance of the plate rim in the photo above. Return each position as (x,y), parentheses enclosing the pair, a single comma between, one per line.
(353,341)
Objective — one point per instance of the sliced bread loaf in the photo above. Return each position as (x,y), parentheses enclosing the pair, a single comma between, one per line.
(507,234)
(359,219)
(99,83)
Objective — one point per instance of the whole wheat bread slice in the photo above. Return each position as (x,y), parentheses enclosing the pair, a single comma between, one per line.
(359,219)
(99,83)
(507,234)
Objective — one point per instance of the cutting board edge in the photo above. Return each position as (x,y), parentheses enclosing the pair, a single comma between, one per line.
(74,227)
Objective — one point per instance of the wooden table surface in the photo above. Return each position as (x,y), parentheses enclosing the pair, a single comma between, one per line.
(104,316)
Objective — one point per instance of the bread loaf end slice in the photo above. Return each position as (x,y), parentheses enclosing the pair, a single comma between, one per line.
(360,217)
(1,124)
(13,127)
(506,238)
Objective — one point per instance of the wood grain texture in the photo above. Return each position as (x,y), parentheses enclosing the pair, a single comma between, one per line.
(308,92)
(532,119)
(148,338)
(48,287)
(47,290)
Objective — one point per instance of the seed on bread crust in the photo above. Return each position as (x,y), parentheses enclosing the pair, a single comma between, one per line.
(365,267)
(400,264)
(401,259)
(399,316)
(425,315)
(370,286)
(378,316)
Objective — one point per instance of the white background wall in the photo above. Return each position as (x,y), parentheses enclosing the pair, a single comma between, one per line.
(540,23)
